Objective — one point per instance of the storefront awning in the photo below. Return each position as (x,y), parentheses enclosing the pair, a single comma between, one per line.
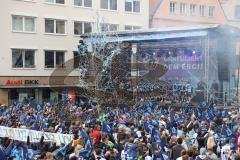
(39,86)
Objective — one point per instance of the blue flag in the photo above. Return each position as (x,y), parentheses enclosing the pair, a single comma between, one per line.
(131,152)
(63,151)
(229,132)
(207,116)
(87,152)
(106,128)
(173,131)
(148,127)
(122,108)
(226,132)
(155,136)
(17,153)
(2,153)
(84,134)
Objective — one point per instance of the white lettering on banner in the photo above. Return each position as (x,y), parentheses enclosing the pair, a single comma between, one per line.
(20,134)
(3,132)
(35,136)
(49,137)
(64,138)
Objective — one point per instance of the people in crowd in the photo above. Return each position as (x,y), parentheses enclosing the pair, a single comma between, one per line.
(147,131)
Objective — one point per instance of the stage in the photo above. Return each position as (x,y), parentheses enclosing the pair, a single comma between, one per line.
(194,55)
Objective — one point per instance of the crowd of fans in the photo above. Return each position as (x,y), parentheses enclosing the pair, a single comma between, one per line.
(146,131)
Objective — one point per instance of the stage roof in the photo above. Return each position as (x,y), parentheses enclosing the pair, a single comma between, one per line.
(164,33)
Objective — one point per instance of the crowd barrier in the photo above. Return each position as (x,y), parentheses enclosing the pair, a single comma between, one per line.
(21,134)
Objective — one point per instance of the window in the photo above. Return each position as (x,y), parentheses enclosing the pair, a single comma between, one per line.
(55,26)
(183,8)
(87,27)
(136,6)
(128,27)
(76,60)
(54,59)
(132,6)
(237,11)
(26,0)
(192,9)
(82,27)
(23,58)
(104,27)
(55,1)
(60,27)
(112,27)
(83,3)
(23,23)
(104,4)
(173,7)
(49,59)
(202,10)
(109,4)
(49,26)
(211,12)
(136,27)
(59,59)
(109,27)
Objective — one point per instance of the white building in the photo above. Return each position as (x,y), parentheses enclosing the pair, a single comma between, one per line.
(38,36)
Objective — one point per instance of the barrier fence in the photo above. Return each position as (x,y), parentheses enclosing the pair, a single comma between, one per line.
(21,134)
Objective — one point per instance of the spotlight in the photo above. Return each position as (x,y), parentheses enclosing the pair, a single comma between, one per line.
(188,52)
(168,54)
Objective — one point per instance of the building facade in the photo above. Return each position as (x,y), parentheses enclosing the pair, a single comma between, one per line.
(39,41)
(231,11)
(167,13)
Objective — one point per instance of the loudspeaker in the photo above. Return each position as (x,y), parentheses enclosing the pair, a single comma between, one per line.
(223,70)
(223,56)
